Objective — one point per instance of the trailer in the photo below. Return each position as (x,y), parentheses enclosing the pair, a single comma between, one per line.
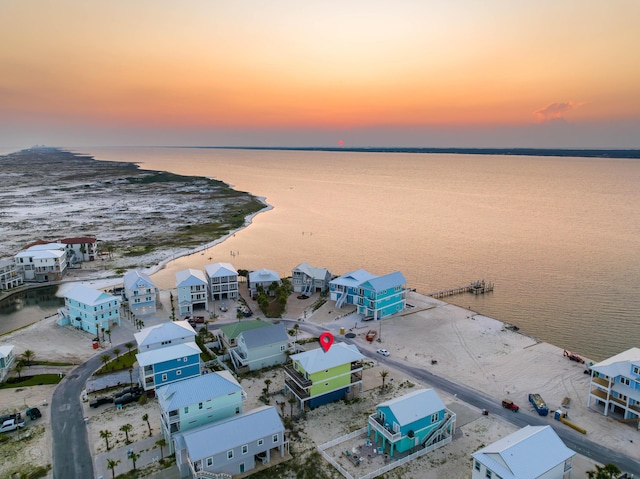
(371,335)
(539,404)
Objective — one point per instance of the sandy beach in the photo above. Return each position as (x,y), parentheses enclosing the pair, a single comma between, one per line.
(447,340)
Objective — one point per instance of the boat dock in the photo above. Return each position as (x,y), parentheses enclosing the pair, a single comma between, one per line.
(477,287)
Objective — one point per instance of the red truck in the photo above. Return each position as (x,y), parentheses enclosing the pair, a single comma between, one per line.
(509,404)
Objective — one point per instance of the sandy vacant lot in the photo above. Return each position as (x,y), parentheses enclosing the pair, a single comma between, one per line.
(469,348)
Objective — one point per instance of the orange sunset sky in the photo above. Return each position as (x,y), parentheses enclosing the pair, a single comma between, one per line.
(467,73)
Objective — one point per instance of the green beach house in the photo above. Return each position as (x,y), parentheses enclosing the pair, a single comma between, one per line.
(317,377)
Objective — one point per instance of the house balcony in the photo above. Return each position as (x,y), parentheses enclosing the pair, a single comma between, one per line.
(601,382)
(356,377)
(302,382)
(296,389)
(356,365)
(384,429)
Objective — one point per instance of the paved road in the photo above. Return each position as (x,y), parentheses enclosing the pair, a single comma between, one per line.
(72,457)
(574,440)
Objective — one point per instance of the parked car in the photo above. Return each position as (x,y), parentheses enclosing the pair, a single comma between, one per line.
(100,401)
(223,307)
(126,399)
(128,390)
(384,352)
(509,404)
(11,425)
(33,413)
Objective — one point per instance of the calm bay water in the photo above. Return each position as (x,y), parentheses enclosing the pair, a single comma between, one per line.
(559,237)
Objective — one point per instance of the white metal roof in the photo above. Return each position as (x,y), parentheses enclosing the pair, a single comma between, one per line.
(137,279)
(274,333)
(312,271)
(391,280)
(190,277)
(89,296)
(5,350)
(263,275)
(163,332)
(525,454)
(353,278)
(220,269)
(41,254)
(414,406)
(620,364)
(196,390)
(240,429)
(317,360)
(156,356)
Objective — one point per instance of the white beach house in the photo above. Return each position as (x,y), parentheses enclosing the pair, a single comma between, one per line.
(140,292)
(192,291)
(10,277)
(223,281)
(42,262)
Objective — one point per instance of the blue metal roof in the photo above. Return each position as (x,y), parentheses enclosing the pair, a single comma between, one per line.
(196,390)
(388,281)
(414,406)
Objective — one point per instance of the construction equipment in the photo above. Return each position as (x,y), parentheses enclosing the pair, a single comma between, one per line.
(573,357)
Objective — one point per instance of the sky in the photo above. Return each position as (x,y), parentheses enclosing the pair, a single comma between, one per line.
(431,73)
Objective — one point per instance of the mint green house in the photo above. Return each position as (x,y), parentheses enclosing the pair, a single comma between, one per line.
(416,420)
(228,334)
(316,377)
(197,401)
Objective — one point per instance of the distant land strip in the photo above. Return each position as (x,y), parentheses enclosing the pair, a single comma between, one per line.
(574,152)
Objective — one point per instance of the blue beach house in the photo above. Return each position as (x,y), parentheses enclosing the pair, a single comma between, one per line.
(376,297)
(89,309)
(140,292)
(167,353)
(417,419)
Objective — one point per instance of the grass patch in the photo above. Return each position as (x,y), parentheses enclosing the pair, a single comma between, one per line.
(124,361)
(49,363)
(36,380)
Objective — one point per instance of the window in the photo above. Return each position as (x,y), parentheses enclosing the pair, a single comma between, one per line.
(209,461)
(164,377)
(275,438)
(237,410)
(625,381)
(184,359)
(434,417)
(199,405)
(230,454)
(245,449)
(476,465)
(282,348)
(186,410)
(260,442)
(636,370)
(178,373)
(488,474)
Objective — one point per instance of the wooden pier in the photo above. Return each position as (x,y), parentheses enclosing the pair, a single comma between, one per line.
(477,287)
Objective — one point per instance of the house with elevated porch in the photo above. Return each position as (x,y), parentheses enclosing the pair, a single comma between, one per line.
(260,348)
(232,446)
(614,389)
(535,452)
(262,279)
(416,420)
(192,291)
(317,377)
(228,334)
(197,401)
(10,276)
(43,262)
(223,281)
(307,279)
(141,293)
(90,309)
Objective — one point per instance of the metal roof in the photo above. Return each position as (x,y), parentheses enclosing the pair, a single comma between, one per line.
(5,350)
(89,296)
(220,269)
(273,333)
(240,429)
(353,278)
(167,331)
(312,271)
(382,283)
(263,275)
(337,355)
(414,406)
(196,390)
(231,331)
(168,353)
(132,277)
(190,277)
(525,454)
(620,364)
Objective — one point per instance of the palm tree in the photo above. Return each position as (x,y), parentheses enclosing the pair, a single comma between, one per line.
(291,402)
(296,328)
(19,367)
(161,443)
(145,417)
(608,471)
(104,434)
(108,331)
(383,374)
(126,428)
(267,382)
(105,358)
(111,464)
(129,345)
(134,457)
(116,351)
(103,330)
(28,355)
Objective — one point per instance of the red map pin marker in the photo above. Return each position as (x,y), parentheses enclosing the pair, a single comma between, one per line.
(326,340)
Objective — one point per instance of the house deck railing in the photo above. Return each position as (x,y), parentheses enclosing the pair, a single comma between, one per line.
(297,377)
(297,390)
(385,429)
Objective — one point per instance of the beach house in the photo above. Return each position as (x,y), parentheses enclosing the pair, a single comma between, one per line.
(167,353)
(615,386)
(192,291)
(534,452)
(223,281)
(262,280)
(316,377)
(10,277)
(375,296)
(140,292)
(416,420)
(196,401)
(42,262)
(307,279)
(7,358)
(80,249)
(232,446)
(260,348)
(228,334)
(90,309)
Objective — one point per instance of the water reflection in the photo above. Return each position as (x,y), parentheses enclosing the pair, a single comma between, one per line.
(27,307)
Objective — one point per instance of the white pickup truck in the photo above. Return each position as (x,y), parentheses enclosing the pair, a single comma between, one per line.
(11,424)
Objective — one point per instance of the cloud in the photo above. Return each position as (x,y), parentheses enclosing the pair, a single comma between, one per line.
(555,111)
